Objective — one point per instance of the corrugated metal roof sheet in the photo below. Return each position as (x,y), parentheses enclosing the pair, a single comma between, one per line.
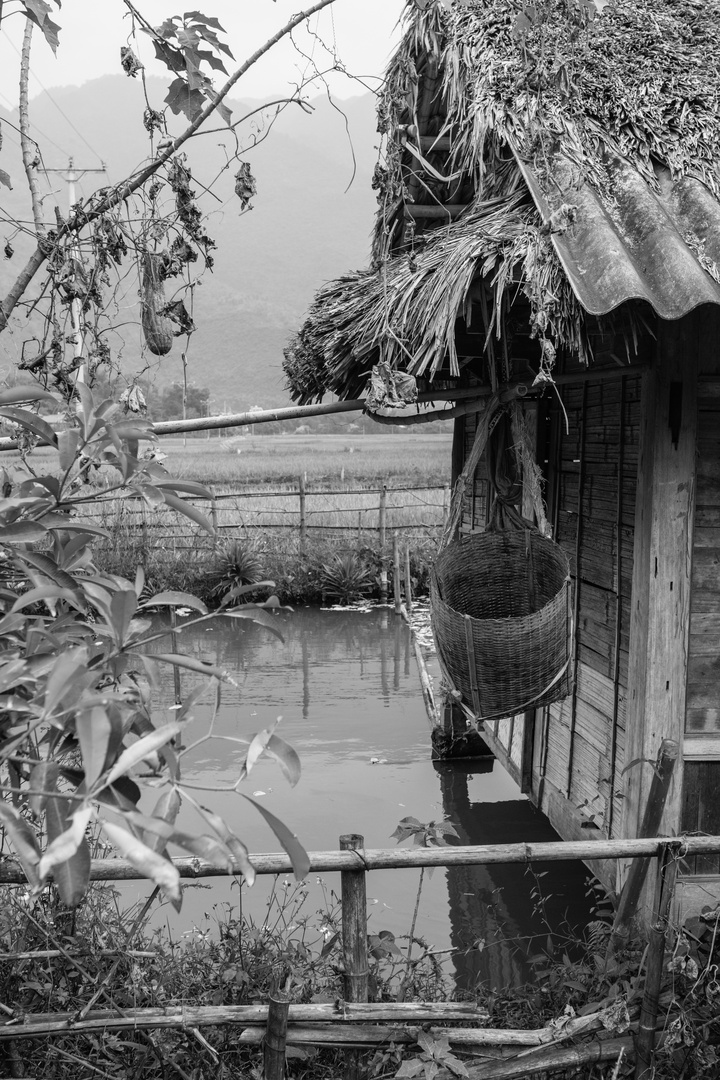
(635,243)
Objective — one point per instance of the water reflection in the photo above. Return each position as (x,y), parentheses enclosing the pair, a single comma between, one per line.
(346,686)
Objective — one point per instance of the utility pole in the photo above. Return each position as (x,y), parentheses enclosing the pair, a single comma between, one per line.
(71,175)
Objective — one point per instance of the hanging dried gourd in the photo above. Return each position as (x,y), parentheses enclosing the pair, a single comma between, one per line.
(157,329)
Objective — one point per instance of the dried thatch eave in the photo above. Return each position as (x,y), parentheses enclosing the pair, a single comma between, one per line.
(596,141)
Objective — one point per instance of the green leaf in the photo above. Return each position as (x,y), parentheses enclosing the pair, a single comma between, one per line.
(186,508)
(182,99)
(43,778)
(67,855)
(38,11)
(23,839)
(166,809)
(22,532)
(233,843)
(147,861)
(175,599)
(189,662)
(139,751)
(298,855)
(286,758)
(94,729)
(14,395)
(190,487)
(122,608)
(49,567)
(47,592)
(5,179)
(31,422)
(68,443)
(206,847)
(256,615)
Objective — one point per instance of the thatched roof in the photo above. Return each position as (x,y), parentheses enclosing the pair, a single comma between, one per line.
(586,147)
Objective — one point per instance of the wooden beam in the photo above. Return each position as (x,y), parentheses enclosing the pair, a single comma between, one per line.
(660,611)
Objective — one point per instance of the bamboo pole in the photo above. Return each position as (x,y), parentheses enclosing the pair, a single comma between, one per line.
(408,581)
(630,896)
(295,412)
(354,938)
(275,1036)
(341,1012)
(303,518)
(664,892)
(382,518)
(11,872)
(396,574)
(554,1060)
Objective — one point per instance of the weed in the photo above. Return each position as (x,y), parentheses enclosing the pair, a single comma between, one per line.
(238,565)
(346,577)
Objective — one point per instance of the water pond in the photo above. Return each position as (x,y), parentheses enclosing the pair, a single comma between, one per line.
(347,688)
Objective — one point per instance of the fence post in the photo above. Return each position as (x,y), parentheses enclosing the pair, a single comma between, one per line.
(664,891)
(396,574)
(408,581)
(276,1036)
(354,938)
(303,516)
(630,895)
(446,504)
(382,517)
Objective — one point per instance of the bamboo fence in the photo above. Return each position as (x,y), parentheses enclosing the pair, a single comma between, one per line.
(363,515)
(354,1024)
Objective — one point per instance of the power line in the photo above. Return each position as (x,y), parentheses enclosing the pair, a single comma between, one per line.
(47,138)
(52,99)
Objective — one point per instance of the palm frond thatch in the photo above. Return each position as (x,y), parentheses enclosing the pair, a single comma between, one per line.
(641,81)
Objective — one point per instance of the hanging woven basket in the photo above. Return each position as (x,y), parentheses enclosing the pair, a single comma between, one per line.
(500,607)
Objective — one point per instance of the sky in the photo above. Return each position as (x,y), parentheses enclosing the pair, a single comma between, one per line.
(92,32)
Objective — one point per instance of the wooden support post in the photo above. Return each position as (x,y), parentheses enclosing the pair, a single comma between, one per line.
(446,504)
(275,1037)
(664,891)
(303,514)
(662,565)
(408,581)
(630,897)
(396,574)
(382,518)
(354,938)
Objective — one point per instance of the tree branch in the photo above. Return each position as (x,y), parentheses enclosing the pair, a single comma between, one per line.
(30,154)
(126,189)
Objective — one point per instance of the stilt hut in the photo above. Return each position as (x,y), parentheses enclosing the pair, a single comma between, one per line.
(547,245)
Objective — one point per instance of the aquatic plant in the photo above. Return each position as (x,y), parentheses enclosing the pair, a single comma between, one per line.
(347,577)
(238,565)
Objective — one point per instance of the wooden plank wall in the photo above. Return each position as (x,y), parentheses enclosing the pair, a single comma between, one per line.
(701,780)
(703,700)
(580,742)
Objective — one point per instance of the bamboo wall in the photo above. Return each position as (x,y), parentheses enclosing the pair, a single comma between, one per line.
(592,475)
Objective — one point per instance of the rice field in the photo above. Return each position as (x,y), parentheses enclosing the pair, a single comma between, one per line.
(412,459)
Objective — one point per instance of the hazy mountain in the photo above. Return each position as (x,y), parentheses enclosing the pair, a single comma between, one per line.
(304,229)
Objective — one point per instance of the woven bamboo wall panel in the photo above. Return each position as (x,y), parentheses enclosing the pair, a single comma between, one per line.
(703,696)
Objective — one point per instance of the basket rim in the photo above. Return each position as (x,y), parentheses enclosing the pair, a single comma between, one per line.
(505,620)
